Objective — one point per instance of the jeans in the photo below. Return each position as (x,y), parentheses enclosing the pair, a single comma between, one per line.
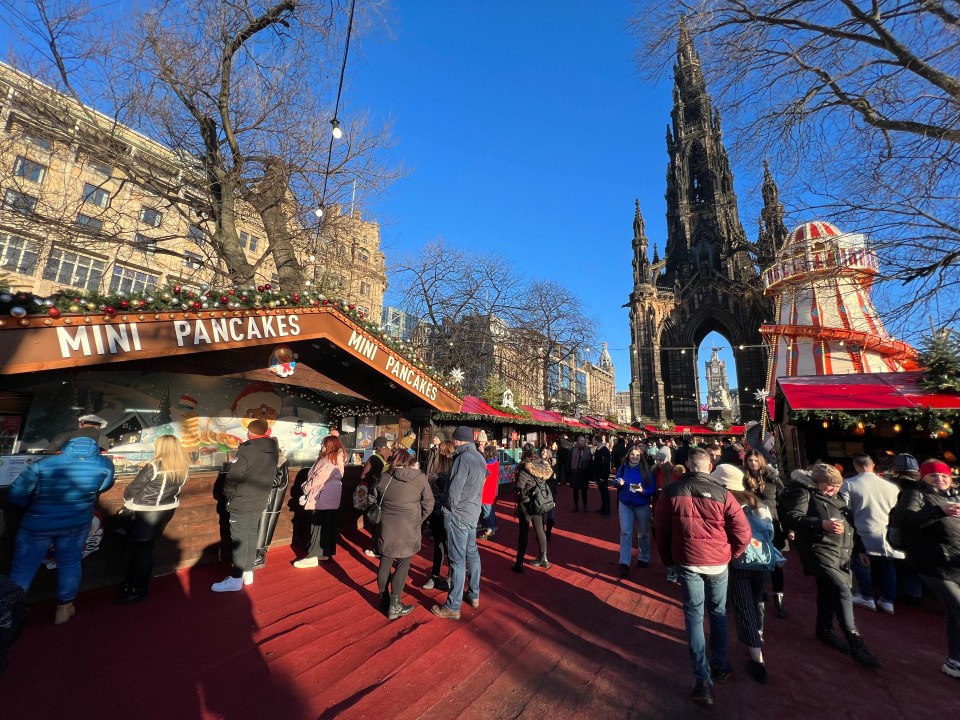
(439,533)
(634,520)
(488,516)
(699,589)
(883,567)
(31,549)
(464,561)
(949,593)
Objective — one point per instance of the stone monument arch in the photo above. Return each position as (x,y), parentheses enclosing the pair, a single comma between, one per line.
(707,280)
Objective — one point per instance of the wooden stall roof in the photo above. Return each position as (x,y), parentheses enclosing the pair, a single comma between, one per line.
(350,359)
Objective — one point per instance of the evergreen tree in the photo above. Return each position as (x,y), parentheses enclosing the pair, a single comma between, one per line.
(941,359)
(162,416)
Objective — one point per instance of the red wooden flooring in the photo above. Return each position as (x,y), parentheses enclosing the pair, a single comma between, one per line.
(575,641)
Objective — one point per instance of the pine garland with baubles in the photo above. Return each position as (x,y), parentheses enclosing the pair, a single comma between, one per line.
(941,359)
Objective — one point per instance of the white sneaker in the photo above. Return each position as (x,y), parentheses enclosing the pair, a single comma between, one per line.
(887,607)
(370,553)
(952,668)
(307,562)
(868,603)
(247,577)
(228,584)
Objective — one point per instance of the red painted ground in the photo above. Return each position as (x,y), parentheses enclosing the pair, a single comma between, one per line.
(571,642)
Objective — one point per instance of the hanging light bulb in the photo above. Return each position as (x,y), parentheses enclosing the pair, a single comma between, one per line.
(319,212)
(897,428)
(337,132)
(826,424)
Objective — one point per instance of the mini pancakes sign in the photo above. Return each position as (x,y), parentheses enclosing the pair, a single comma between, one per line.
(32,344)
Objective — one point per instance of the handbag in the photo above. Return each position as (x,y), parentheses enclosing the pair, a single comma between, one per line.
(375,512)
(760,553)
(540,500)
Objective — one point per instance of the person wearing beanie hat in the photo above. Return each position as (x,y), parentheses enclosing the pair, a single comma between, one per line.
(461,509)
(826,539)
(929,520)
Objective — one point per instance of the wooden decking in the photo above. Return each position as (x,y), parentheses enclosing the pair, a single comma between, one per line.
(574,641)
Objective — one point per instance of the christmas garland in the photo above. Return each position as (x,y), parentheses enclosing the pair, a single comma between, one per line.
(476,417)
(178,298)
(938,422)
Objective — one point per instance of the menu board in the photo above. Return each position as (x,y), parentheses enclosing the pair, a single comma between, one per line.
(11,465)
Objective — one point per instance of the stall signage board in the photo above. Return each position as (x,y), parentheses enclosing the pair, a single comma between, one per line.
(46,344)
(12,465)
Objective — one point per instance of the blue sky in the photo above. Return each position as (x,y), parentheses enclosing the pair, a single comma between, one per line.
(527,131)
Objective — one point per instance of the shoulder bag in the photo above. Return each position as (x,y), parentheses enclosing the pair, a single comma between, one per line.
(375,512)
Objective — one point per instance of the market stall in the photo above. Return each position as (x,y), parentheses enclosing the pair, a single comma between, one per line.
(203,376)
(833,417)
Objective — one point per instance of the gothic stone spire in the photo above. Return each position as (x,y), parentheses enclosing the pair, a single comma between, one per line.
(773,232)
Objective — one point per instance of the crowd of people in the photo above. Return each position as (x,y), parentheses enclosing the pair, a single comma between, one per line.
(721,515)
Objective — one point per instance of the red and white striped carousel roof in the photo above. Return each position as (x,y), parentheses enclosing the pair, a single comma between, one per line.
(813,231)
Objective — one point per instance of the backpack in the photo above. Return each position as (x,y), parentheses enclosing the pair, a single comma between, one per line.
(540,500)
(760,553)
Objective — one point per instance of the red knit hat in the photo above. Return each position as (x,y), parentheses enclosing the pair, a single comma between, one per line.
(934,466)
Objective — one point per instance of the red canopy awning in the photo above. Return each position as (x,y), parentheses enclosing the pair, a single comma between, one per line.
(477,406)
(694,430)
(863,392)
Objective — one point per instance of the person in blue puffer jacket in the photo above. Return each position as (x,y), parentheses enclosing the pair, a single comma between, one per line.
(58,492)
(635,489)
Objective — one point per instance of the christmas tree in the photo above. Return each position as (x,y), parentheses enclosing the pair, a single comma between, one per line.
(941,359)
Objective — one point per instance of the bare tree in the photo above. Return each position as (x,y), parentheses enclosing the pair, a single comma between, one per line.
(857,105)
(553,323)
(240,92)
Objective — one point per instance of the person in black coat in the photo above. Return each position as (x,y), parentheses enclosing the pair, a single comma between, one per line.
(929,521)
(532,469)
(763,480)
(405,500)
(825,537)
(601,473)
(249,482)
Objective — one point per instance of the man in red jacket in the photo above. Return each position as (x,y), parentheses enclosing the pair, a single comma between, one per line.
(701,528)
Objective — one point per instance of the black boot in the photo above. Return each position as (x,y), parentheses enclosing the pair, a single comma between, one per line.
(859,652)
(131,594)
(830,638)
(778,608)
(397,609)
(517,566)
(384,600)
(540,562)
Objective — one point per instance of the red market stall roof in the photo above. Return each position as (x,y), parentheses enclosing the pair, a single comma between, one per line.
(861,392)
(694,430)
(549,416)
(472,405)
(475,408)
(604,424)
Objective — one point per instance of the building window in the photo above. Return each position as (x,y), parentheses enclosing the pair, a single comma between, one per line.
(129,280)
(99,167)
(364,309)
(145,244)
(249,242)
(18,255)
(192,260)
(363,255)
(95,195)
(365,289)
(150,216)
(196,235)
(37,141)
(92,224)
(70,268)
(19,202)
(29,170)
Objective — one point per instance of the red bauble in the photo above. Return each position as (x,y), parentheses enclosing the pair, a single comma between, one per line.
(177,289)
(361,316)
(296,297)
(260,288)
(224,299)
(54,313)
(196,305)
(124,304)
(109,310)
(317,302)
(232,291)
(243,297)
(325,302)
(351,306)
(266,286)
